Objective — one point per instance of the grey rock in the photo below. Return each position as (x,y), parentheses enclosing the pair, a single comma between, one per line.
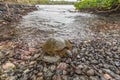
(64,77)
(78,71)
(1,55)
(94,78)
(76,78)
(51,59)
(112,73)
(75,50)
(117,63)
(90,72)
(82,78)
(12,78)
(56,77)
(33,77)
(49,73)
(69,53)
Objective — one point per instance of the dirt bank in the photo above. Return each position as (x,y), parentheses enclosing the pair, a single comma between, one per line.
(13,12)
(9,15)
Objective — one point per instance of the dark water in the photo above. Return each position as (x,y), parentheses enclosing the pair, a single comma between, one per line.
(56,21)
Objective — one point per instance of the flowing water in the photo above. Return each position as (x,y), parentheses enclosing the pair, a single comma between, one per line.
(56,21)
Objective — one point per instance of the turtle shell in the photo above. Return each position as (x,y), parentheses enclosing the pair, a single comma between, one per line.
(56,46)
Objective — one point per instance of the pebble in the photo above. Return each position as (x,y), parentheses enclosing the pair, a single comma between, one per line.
(56,77)
(75,51)
(107,76)
(117,63)
(78,71)
(51,59)
(40,78)
(69,53)
(94,78)
(12,78)
(1,55)
(78,56)
(76,78)
(94,61)
(79,67)
(64,72)
(62,66)
(90,72)
(82,77)
(26,71)
(8,65)
(64,77)
(52,68)
(40,74)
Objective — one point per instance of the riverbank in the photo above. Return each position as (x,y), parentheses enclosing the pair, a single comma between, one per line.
(10,14)
(13,12)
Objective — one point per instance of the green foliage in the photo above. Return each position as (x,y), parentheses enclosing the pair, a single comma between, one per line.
(42,1)
(104,4)
(85,4)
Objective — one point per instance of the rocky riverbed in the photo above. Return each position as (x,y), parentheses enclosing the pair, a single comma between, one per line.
(96,58)
(13,12)
(10,14)
(92,60)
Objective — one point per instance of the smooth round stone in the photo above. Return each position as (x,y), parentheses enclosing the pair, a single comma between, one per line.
(8,65)
(90,72)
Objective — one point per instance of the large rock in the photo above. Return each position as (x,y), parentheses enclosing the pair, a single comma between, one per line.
(56,46)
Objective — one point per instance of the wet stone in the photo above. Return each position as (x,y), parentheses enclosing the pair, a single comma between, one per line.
(40,74)
(91,72)
(8,65)
(62,66)
(12,78)
(64,72)
(94,62)
(52,68)
(64,77)
(33,77)
(56,77)
(27,71)
(40,78)
(82,78)
(69,53)
(106,66)
(76,78)
(117,63)
(94,78)
(107,76)
(78,71)
(51,59)
(48,73)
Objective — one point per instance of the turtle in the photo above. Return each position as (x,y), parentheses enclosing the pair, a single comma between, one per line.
(56,46)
